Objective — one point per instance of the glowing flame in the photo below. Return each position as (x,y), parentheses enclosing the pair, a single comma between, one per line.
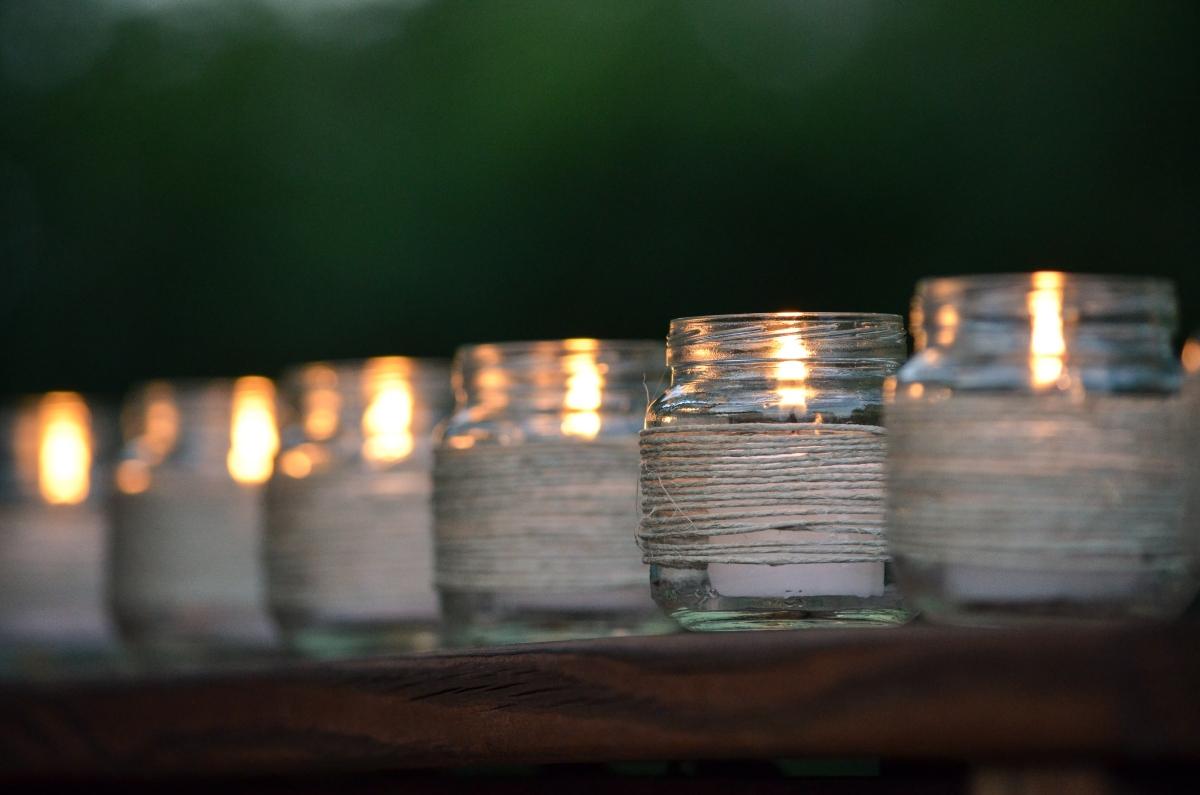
(1191,356)
(585,387)
(253,438)
(322,402)
(947,322)
(300,461)
(64,448)
(387,422)
(160,430)
(792,372)
(1047,343)
(133,476)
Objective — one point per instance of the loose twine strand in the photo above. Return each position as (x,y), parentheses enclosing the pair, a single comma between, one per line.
(768,493)
(551,515)
(1038,483)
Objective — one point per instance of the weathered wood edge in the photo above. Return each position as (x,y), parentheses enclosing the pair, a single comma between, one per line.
(915,693)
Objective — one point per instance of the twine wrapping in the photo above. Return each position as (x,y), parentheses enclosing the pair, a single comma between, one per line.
(769,493)
(1038,483)
(352,545)
(540,516)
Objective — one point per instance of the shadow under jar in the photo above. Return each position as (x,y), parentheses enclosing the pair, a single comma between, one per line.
(762,472)
(535,492)
(349,547)
(1038,467)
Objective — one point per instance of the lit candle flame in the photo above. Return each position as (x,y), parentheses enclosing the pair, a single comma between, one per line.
(322,402)
(1191,356)
(387,421)
(64,448)
(792,373)
(585,387)
(1047,343)
(160,428)
(133,476)
(253,437)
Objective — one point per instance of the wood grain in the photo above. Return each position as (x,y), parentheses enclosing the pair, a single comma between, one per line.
(915,693)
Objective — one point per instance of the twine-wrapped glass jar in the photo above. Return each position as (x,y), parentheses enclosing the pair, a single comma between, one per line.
(349,516)
(186,580)
(535,488)
(762,472)
(53,483)
(1037,467)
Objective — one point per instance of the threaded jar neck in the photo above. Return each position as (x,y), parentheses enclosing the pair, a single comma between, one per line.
(814,337)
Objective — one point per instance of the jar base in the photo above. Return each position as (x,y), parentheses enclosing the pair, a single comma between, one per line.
(496,619)
(178,641)
(979,596)
(738,620)
(692,598)
(342,639)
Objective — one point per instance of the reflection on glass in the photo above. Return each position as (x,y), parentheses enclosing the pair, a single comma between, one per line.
(584,389)
(1047,344)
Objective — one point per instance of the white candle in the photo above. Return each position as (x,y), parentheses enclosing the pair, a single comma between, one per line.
(791,580)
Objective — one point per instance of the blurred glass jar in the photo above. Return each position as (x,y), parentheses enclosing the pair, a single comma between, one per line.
(53,483)
(535,489)
(1037,467)
(1191,408)
(186,582)
(349,515)
(803,378)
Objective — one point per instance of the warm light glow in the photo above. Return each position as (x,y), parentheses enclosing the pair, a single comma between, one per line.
(947,323)
(64,448)
(322,402)
(160,430)
(301,461)
(585,387)
(387,422)
(253,437)
(1047,343)
(916,391)
(133,476)
(1191,356)
(792,372)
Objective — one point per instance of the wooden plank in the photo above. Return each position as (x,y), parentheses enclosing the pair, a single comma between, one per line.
(915,693)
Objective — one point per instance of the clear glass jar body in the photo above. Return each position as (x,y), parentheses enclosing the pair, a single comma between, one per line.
(1191,409)
(1037,465)
(349,548)
(185,577)
(53,485)
(779,373)
(535,488)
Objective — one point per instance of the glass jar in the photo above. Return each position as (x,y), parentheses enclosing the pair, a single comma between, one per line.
(1191,409)
(186,582)
(535,489)
(349,520)
(53,478)
(762,472)
(1037,467)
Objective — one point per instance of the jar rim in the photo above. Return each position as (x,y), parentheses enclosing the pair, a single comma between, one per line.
(935,285)
(751,317)
(432,366)
(564,345)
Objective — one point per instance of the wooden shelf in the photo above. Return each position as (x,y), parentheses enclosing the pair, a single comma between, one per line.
(914,694)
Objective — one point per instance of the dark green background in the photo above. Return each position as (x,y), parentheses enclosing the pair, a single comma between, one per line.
(221,187)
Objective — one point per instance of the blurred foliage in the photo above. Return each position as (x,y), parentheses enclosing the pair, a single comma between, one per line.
(204,187)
